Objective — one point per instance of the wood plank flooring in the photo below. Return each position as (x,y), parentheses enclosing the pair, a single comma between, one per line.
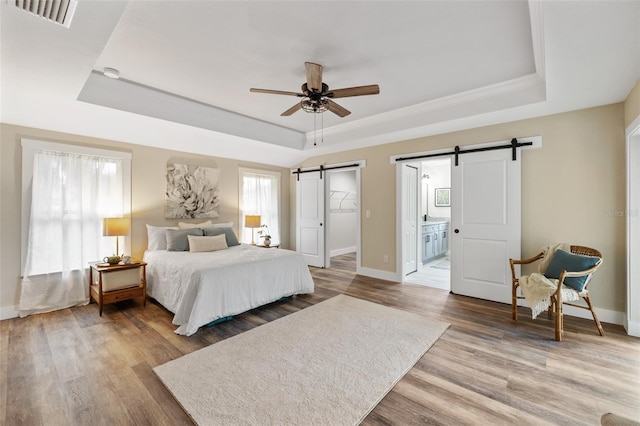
(73,367)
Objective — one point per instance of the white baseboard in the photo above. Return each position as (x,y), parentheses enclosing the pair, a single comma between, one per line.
(633,328)
(604,315)
(344,250)
(376,273)
(8,312)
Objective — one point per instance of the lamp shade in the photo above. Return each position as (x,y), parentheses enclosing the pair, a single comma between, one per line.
(115,226)
(252,221)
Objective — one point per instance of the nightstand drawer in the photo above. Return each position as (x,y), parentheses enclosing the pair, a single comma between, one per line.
(115,280)
(119,295)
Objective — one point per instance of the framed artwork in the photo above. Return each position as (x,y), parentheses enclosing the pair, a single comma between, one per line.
(191,192)
(443,197)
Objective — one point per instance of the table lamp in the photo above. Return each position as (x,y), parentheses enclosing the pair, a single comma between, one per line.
(115,227)
(252,221)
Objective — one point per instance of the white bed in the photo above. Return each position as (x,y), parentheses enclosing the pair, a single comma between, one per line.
(202,287)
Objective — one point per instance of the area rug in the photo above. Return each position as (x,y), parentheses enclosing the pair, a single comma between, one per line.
(328,364)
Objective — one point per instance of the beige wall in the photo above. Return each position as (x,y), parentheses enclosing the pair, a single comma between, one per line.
(632,105)
(572,189)
(148,170)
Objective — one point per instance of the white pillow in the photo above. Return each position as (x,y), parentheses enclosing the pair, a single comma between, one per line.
(185,225)
(156,237)
(196,244)
(220,225)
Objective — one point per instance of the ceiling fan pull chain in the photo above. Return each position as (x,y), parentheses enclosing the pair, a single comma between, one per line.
(315,131)
(322,128)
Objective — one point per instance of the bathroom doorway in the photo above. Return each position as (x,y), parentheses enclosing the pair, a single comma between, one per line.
(434,199)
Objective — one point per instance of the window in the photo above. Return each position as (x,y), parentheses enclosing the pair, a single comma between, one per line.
(260,195)
(66,192)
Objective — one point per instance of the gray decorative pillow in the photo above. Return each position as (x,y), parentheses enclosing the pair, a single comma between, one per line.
(177,239)
(232,240)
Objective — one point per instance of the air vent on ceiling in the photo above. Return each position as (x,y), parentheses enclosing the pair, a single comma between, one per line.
(56,11)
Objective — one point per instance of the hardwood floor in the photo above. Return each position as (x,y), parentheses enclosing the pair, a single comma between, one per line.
(73,367)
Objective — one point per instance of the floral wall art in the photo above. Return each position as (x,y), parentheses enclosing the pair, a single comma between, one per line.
(192,192)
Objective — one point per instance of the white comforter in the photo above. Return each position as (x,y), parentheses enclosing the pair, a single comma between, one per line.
(202,287)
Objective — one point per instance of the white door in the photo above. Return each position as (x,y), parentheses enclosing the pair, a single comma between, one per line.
(633,229)
(410,218)
(310,218)
(485,222)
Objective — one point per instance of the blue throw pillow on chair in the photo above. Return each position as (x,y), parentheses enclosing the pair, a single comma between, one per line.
(563,260)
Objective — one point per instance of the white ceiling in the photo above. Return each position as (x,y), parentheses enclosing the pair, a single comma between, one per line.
(186,68)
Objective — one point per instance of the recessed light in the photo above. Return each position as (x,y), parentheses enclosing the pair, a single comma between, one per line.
(111,72)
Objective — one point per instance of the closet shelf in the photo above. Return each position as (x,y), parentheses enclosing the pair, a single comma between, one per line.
(342,201)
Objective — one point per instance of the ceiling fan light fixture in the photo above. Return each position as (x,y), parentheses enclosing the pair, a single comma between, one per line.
(314,106)
(316,97)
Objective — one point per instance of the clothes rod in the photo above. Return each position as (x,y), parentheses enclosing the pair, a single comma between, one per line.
(457,151)
(323,168)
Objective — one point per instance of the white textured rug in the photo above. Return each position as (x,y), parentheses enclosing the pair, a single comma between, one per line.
(328,364)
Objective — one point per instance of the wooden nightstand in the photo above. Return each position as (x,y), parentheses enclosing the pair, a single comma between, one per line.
(118,282)
(270,246)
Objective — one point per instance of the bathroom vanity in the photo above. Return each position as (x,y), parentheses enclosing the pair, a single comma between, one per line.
(435,239)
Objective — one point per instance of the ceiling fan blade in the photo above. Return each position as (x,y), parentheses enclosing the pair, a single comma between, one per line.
(276,92)
(314,76)
(291,110)
(337,109)
(372,89)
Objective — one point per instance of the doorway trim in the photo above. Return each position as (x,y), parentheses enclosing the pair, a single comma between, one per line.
(632,317)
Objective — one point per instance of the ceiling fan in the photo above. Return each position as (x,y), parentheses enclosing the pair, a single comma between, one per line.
(317,96)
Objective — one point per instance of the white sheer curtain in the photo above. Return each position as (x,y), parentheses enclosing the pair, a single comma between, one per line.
(260,196)
(70,195)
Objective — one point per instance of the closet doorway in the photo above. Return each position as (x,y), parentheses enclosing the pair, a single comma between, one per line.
(434,223)
(342,213)
(328,212)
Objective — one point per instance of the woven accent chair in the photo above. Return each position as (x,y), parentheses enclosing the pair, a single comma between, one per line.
(556,299)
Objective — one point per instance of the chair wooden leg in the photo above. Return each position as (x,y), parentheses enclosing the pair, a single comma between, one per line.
(559,322)
(514,302)
(595,317)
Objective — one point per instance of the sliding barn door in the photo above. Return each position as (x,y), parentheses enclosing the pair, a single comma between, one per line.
(485,219)
(310,237)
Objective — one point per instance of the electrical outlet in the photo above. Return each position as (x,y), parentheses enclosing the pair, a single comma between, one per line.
(368,213)
(385,259)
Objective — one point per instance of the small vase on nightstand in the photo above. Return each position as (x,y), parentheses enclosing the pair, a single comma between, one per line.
(267,242)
